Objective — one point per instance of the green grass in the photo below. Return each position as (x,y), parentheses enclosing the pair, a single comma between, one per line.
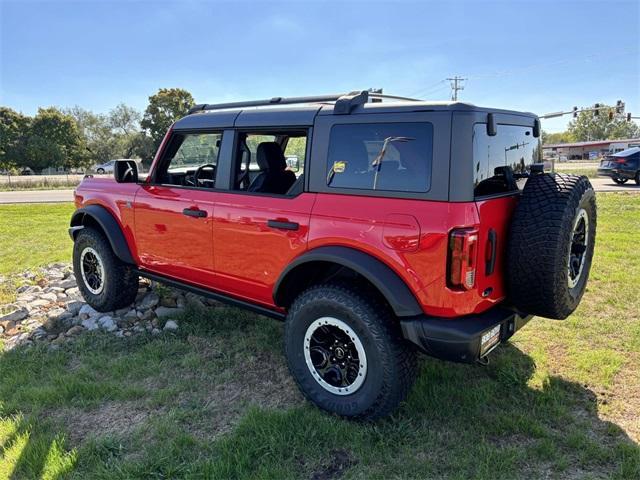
(215,400)
(588,172)
(34,234)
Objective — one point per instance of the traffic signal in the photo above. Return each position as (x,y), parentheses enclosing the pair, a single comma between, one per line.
(575,112)
(619,106)
(629,117)
(596,110)
(610,115)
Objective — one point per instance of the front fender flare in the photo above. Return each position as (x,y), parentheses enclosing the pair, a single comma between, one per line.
(388,282)
(109,225)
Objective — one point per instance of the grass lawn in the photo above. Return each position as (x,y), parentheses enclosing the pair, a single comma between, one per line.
(561,400)
(34,234)
(591,172)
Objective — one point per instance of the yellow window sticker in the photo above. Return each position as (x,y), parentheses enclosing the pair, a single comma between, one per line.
(339,166)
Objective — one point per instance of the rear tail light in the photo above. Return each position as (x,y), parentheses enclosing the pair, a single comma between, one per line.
(622,160)
(463,253)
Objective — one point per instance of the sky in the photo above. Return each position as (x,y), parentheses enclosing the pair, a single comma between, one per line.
(539,56)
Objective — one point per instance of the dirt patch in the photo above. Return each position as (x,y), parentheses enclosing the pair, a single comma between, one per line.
(622,401)
(112,418)
(261,380)
(338,463)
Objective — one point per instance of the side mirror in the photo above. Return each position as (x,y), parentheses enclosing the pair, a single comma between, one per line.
(125,171)
(293,163)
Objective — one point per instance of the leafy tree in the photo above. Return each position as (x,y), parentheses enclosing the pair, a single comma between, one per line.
(53,140)
(124,120)
(600,127)
(97,132)
(165,107)
(142,147)
(109,136)
(559,137)
(13,130)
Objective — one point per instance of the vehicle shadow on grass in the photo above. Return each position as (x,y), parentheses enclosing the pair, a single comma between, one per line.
(506,420)
(460,421)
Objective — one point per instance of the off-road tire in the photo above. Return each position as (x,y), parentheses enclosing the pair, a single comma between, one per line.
(637,179)
(540,241)
(391,361)
(120,281)
(620,181)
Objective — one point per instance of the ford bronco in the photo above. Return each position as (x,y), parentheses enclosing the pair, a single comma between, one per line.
(397,225)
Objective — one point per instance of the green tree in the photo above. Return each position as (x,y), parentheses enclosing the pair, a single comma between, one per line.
(13,132)
(97,132)
(125,125)
(110,136)
(142,147)
(54,140)
(165,107)
(601,127)
(558,137)
(124,120)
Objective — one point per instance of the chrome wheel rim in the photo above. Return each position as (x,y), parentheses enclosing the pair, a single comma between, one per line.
(578,247)
(335,356)
(92,270)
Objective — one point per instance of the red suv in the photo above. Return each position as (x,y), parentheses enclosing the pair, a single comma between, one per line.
(394,225)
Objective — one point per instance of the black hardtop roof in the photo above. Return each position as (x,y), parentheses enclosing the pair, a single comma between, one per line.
(265,113)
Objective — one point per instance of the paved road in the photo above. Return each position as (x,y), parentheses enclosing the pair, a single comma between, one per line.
(50,196)
(602,184)
(36,196)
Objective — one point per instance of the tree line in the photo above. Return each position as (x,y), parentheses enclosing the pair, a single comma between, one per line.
(608,124)
(75,138)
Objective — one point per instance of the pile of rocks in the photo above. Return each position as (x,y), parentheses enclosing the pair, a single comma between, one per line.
(49,308)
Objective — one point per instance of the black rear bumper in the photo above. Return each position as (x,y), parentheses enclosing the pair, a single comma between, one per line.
(459,339)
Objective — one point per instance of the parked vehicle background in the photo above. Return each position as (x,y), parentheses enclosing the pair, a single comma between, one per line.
(622,166)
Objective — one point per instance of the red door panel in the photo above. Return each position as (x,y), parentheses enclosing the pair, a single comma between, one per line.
(250,251)
(171,242)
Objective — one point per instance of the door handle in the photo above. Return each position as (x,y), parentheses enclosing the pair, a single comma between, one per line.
(283,225)
(194,212)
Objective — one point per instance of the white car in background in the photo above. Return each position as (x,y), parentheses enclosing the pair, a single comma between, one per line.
(106,167)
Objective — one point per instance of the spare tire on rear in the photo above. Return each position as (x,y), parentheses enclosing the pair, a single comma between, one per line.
(551,244)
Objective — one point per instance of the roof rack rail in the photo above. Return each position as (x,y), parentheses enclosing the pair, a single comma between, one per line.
(344,102)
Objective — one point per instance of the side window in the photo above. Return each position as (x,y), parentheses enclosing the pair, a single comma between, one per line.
(192,160)
(270,162)
(501,162)
(381,156)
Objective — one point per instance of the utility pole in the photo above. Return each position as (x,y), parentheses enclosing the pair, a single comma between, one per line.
(456,84)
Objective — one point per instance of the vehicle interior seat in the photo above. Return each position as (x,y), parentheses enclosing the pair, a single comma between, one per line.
(273,177)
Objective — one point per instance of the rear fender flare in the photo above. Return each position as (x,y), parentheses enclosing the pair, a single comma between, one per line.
(389,284)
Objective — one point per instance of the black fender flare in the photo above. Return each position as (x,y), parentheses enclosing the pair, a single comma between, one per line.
(109,225)
(389,284)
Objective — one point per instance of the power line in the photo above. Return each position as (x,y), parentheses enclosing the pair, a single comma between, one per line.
(555,63)
(456,84)
(430,89)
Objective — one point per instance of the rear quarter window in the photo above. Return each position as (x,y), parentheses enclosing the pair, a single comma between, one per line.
(381,156)
(511,151)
